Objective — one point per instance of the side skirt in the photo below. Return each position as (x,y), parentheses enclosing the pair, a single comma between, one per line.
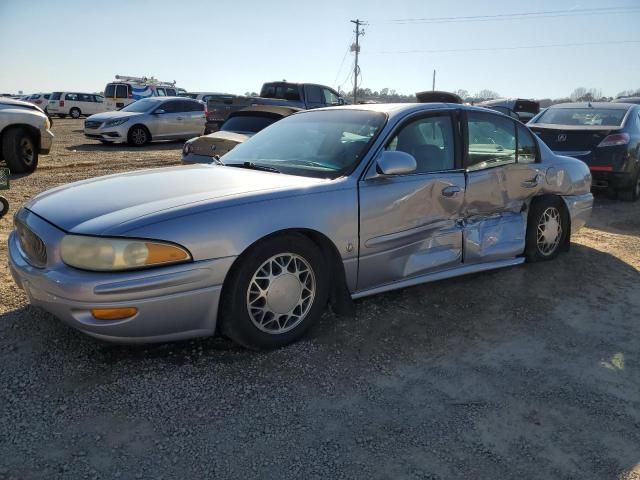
(432,277)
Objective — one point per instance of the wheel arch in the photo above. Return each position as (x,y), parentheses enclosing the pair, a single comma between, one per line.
(339,295)
(33,132)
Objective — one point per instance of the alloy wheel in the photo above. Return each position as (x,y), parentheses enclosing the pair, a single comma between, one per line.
(281,293)
(139,136)
(27,150)
(549,231)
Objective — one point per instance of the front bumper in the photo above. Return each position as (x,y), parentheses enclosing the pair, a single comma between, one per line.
(173,303)
(46,141)
(579,207)
(117,134)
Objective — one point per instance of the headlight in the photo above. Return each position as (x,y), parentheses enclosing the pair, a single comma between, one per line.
(112,254)
(188,146)
(115,123)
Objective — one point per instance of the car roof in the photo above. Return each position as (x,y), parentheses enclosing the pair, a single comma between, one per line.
(627,100)
(401,109)
(609,105)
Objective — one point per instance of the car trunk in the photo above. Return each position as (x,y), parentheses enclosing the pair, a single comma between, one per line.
(571,139)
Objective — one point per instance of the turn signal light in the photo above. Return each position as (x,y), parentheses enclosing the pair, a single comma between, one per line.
(113,313)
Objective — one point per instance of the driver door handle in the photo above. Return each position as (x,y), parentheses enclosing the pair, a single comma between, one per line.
(179,118)
(450,191)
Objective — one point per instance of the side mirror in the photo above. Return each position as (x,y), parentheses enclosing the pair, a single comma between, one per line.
(395,163)
(159,111)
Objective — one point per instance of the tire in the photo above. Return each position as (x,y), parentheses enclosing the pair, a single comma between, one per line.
(20,150)
(138,136)
(4,206)
(249,317)
(547,214)
(633,194)
(75,112)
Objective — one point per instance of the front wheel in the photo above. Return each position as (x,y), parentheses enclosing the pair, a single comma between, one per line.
(75,112)
(138,136)
(547,229)
(20,150)
(275,293)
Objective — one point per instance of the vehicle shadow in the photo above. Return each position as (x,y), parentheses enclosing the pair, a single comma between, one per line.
(615,216)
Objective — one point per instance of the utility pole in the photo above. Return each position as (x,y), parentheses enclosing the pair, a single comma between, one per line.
(356,48)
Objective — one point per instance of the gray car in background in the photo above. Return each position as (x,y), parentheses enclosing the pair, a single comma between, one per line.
(147,120)
(318,207)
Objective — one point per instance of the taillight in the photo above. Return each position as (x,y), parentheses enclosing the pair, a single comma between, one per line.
(130,95)
(615,139)
(61,103)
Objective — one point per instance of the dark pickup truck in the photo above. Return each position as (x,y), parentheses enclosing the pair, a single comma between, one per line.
(297,95)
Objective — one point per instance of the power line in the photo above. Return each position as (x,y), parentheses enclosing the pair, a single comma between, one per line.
(516,16)
(491,49)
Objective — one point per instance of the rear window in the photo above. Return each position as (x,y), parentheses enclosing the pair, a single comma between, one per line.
(247,124)
(56,96)
(586,117)
(281,91)
(189,95)
(110,90)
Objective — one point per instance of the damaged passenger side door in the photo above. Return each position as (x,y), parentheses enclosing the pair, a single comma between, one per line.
(501,161)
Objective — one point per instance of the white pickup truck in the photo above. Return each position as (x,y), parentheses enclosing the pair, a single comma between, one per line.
(24,135)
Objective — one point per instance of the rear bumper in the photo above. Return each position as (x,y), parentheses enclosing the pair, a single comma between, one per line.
(612,180)
(579,207)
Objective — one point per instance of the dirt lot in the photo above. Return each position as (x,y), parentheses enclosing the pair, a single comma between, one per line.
(529,372)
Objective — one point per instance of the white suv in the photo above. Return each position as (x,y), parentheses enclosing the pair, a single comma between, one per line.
(75,104)
(24,134)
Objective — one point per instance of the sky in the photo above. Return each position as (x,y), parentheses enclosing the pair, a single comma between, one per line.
(234,45)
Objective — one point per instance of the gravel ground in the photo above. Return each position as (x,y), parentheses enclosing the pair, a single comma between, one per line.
(523,373)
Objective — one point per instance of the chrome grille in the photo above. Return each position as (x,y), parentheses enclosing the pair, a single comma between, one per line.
(31,245)
(92,124)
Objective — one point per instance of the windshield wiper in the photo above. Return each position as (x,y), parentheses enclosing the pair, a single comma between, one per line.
(253,166)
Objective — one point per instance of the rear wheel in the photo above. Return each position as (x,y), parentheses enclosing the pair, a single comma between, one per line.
(275,293)
(633,194)
(75,112)
(138,136)
(547,229)
(20,150)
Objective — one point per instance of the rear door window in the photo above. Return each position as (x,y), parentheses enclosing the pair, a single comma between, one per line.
(98,98)
(174,106)
(71,97)
(314,94)
(83,97)
(491,140)
(122,91)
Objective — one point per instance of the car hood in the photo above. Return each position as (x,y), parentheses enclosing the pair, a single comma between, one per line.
(105,116)
(100,205)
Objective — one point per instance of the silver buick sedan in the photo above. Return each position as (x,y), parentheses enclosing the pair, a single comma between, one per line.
(322,206)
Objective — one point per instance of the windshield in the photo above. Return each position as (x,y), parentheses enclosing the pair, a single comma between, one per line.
(247,124)
(322,144)
(583,116)
(140,106)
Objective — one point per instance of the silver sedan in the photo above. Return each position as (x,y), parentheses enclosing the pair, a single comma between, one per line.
(322,206)
(149,119)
